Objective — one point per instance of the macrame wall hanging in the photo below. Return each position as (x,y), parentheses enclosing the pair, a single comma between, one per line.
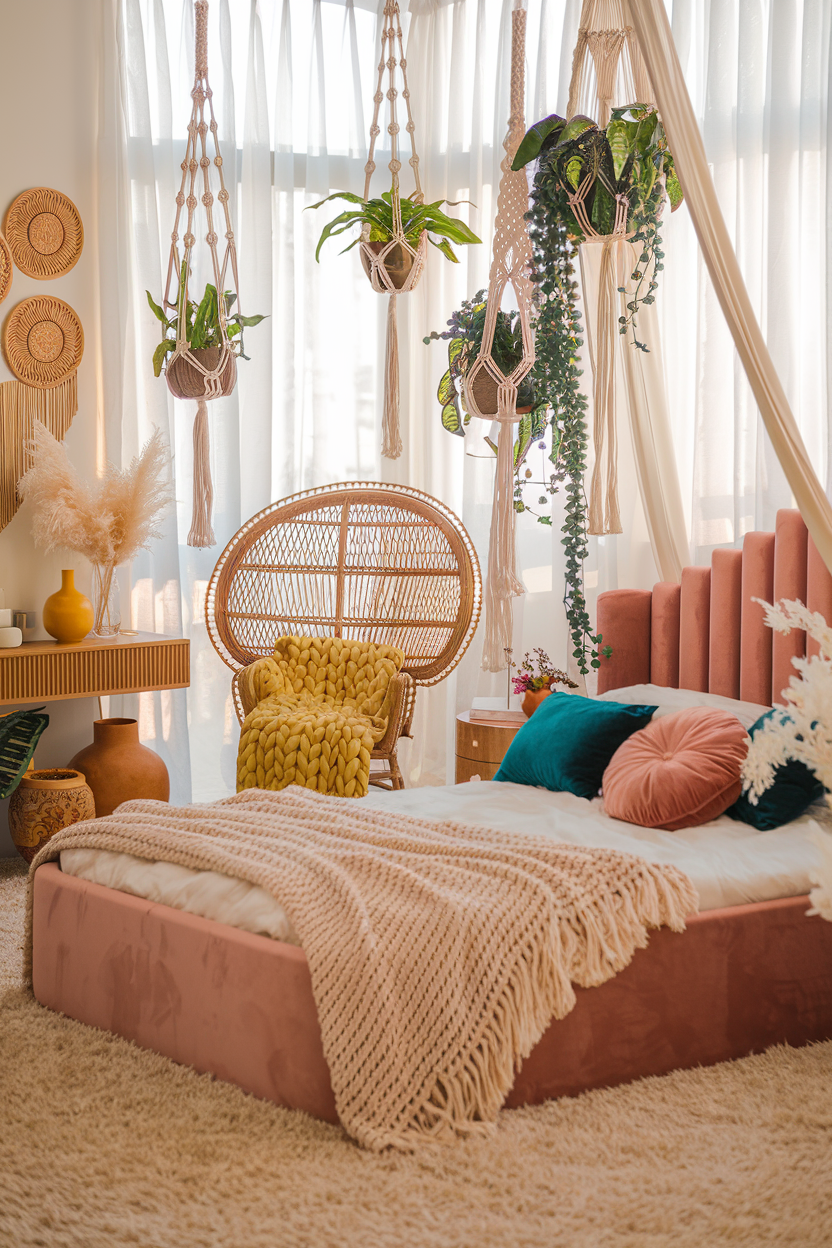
(393,267)
(207,372)
(490,394)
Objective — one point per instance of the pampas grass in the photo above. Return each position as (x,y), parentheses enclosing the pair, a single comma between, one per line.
(109,520)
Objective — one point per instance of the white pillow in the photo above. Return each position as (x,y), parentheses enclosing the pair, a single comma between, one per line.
(671,700)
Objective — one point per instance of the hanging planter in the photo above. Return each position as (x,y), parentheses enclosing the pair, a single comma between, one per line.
(395,232)
(202,340)
(591,184)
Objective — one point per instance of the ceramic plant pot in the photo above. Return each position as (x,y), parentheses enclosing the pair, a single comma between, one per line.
(187,382)
(67,614)
(119,768)
(532,699)
(43,803)
(398,262)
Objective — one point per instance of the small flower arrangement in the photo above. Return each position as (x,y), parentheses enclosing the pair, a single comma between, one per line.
(538,673)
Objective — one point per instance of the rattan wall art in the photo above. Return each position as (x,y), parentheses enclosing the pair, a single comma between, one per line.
(380,563)
(6,268)
(45,233)
(43,341)
(212,372)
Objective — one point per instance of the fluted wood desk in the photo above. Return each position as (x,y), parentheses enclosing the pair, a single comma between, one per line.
(46,671)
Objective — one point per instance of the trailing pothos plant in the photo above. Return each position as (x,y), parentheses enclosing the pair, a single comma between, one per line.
(464,338)
(377,216)
(202,322)
(626,164)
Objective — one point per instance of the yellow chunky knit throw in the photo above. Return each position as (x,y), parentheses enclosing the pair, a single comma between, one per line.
(322,704)
(438,952)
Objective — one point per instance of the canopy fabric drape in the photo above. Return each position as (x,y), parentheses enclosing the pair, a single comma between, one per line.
(656,40)
(292,79)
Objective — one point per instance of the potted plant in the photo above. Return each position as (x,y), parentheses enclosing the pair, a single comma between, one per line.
(535,679)
(375,217)
(464,338)
(204,324)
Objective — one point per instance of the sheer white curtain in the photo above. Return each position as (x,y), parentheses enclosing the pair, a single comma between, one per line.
(293,83)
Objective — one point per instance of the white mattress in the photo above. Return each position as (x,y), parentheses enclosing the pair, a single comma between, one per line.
(729,863)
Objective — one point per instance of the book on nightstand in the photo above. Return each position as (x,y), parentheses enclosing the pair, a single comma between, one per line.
(495,711)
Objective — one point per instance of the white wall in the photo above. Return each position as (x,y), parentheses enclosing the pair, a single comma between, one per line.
(49,122)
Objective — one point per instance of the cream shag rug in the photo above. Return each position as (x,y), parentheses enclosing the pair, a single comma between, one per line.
(103,1145)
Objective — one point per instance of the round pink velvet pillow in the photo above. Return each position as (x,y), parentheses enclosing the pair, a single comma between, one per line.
(679,771)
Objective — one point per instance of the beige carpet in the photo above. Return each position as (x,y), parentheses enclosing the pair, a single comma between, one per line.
(102,1145)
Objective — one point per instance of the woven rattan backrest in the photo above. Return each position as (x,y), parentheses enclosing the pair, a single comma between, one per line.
(371,562)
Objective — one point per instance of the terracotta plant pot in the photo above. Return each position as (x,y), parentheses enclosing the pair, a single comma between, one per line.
(484,391)
(186,382)
(532,699)
(398,262)
(67,614)
(119,768)
(43,803)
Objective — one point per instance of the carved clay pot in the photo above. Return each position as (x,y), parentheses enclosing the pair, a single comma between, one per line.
(532,699)
(43,803)
(187,382)
(119,768)
(67,614)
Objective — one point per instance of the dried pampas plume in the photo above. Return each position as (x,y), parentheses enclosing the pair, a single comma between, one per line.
(109,520)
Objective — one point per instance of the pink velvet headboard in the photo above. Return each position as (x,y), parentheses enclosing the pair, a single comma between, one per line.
(707,633)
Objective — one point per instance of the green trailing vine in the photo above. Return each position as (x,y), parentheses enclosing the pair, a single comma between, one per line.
(620,176)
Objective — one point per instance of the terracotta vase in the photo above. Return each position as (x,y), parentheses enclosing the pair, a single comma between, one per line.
(119,768)
(67,614)
(532,699)
(43,803)
(187,382)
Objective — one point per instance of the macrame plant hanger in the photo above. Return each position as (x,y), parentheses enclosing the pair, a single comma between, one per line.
(207,373)
(393,267)
(511,254)
(607,62)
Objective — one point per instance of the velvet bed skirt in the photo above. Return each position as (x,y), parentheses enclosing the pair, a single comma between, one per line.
(241,1006)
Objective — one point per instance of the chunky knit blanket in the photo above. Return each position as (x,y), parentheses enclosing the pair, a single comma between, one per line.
(321,705)
(438,952)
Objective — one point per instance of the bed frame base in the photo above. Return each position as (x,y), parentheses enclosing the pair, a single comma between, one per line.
(241,1006)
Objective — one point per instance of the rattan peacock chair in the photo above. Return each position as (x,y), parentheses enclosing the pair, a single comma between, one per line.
(370,562)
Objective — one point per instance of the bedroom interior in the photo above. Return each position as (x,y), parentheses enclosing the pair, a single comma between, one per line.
(325,919)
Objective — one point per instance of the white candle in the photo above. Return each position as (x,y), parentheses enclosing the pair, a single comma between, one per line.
(5,617)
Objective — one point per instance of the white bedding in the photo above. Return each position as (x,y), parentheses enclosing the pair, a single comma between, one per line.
(729,863)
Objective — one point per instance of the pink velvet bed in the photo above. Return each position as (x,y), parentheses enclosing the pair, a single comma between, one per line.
(737,981)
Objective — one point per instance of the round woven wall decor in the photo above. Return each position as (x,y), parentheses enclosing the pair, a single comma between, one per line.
(43,341)
(44,232)
(6,269)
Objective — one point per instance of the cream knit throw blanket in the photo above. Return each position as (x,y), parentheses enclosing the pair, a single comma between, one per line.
(439,952)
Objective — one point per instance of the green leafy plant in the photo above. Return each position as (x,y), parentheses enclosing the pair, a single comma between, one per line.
(377,216)
(627,163)
(464,338)
(202,322)
(625,168)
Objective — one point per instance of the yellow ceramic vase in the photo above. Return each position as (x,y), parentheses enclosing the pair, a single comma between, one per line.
(68,614)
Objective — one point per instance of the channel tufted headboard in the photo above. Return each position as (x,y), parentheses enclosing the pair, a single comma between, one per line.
(707,633)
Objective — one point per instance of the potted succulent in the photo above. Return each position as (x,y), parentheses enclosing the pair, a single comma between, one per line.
(203,330)
(535,679)
(375,217)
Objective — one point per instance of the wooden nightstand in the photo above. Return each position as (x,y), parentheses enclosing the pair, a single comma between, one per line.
(480,747)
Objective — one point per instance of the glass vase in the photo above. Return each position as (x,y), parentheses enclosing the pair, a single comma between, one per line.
(105,600)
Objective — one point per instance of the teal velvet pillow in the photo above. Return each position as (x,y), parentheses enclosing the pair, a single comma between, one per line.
(569,740)
(795,787)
